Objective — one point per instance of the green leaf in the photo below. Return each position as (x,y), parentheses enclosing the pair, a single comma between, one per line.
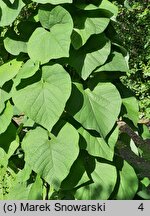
(15,42)
(144,193)
(104,179)
(57,17)
(24,174)
(107,5)
(9,70)
(108,9)
(92,55)
(54,43)
(27,70)
(145,132)
(36,189)
(12,1)
(51,159)
(44,101)
(128,183)
(5,117)
(91,26)
(145,181)
(100,108)
(96,146)
(134,148)
(9,13)
(12,148)
(112,140)
(55,2)
(3,158)
(115,62)
(15,47)
(41,40)
(131,105)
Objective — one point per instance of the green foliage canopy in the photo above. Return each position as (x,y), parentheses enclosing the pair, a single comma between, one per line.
(60,100)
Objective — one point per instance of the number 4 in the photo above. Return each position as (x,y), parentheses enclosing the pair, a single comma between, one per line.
(141,207)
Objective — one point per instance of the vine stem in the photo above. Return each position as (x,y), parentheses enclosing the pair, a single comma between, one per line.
(139,163)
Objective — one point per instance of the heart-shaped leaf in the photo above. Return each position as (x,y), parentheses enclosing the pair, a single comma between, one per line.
(98,109)
(51,159)
(54,43)
(44,101)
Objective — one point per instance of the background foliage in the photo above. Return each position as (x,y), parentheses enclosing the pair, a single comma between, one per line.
(133,28)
